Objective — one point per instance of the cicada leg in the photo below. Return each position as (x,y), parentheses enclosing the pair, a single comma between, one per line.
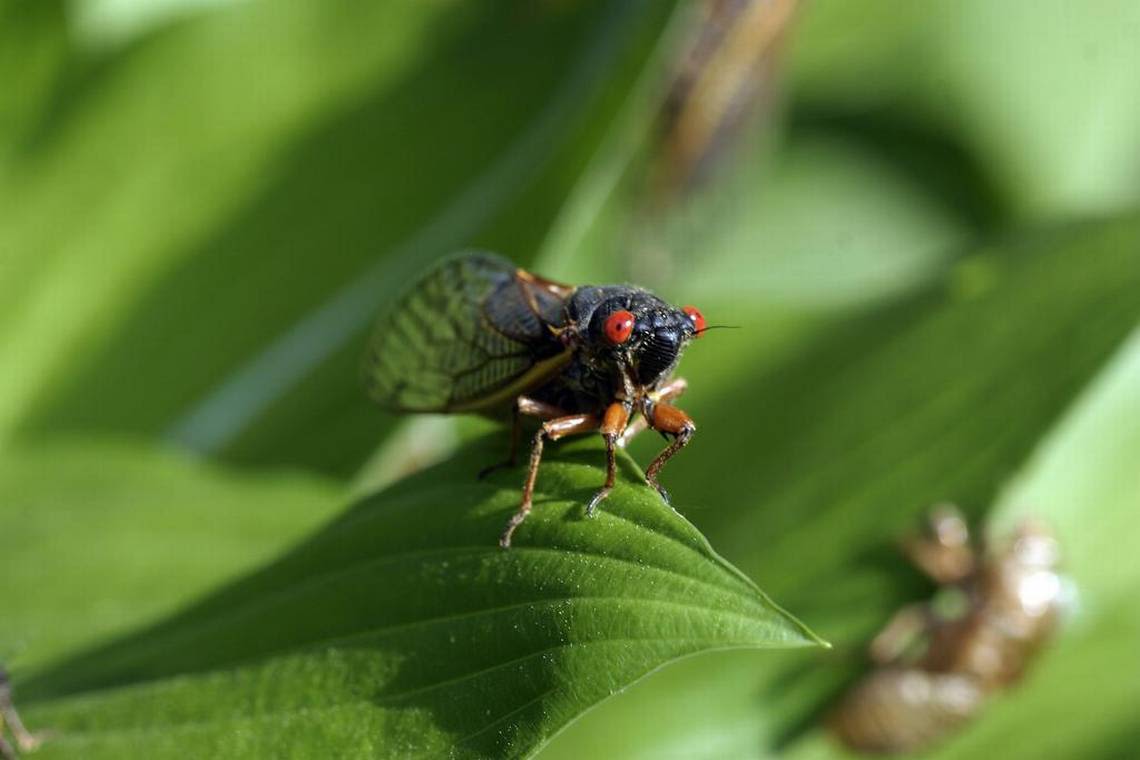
(25,740)
(552,429)
(527,406)
(614,423)
(672,421)
(632,430)
(669,392)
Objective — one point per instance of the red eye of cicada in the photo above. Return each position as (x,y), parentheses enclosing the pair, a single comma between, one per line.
(618,327)
(698,318)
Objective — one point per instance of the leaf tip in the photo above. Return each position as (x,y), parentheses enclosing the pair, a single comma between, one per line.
(810,637)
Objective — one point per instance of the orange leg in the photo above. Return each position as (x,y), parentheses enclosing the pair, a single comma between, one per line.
(613,425)
(552,429)
(672,421)
(524,405)
(671,391)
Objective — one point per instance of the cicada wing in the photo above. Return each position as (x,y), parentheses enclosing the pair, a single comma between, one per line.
(905,709)
(472,332)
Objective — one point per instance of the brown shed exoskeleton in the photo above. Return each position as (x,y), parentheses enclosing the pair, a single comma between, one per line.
(938,663)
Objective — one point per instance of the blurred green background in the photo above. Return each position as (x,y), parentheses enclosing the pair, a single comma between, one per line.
(923,217)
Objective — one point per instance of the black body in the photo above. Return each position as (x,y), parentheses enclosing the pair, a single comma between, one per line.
(593,378)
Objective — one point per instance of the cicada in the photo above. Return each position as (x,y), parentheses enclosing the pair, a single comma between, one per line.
(478,334)
(938,664)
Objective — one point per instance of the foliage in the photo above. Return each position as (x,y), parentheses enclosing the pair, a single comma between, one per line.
(930,246)
(897,423)
(402,628)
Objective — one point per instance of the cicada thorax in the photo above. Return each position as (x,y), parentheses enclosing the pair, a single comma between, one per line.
(646,347)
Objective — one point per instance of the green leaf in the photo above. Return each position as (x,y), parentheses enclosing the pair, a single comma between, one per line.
(402,628)
(943,395)
(98,537)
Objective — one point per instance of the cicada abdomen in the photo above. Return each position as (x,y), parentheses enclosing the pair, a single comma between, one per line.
(897,709)
(470,335)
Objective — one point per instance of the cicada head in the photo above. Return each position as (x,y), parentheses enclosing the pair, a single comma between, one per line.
(626,330)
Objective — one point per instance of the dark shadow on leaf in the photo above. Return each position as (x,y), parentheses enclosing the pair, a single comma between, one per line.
(934,158)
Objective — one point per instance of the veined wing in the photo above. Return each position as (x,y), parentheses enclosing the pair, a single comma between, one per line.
(474,331)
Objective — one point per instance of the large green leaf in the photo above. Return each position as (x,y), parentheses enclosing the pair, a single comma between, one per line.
(98,537)
(402,628)
(942,396)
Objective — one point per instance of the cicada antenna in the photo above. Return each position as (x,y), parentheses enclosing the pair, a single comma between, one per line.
(718,327)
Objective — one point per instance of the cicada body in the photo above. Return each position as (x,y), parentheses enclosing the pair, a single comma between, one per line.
(477,334)
(1010,600)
